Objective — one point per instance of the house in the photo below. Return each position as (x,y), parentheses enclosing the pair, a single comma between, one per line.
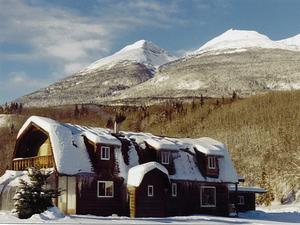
(127,173)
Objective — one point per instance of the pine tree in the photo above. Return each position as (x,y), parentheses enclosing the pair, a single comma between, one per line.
(201,100)
(76,111)
(234,96)
(33,197)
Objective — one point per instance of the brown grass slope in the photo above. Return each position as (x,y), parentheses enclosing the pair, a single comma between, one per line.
(262,132)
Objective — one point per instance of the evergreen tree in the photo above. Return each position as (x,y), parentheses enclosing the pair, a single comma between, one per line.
(201,100)
(33,197)
(76,111)
(110,123)
(234,96)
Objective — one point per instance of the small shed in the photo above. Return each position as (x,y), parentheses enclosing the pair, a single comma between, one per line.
(245,197)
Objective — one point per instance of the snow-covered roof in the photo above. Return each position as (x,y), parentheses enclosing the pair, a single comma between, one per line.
(161,143)
(185,165)
(137,173)
(247,189)
(206,145)
(69,150)
(71,155)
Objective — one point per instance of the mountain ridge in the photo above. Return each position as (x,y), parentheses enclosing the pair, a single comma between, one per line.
(237,60)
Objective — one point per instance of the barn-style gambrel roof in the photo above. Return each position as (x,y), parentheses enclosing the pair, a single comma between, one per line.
(71,156)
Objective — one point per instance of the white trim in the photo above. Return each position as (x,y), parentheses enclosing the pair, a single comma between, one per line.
(211,162)
(105,183)
(215,196)
(150,193)
(174,190)
(106,152)
(241,200)
(165,158)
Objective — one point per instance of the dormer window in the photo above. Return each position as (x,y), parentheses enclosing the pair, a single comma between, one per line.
(211,160)
(165,158)
(105,153)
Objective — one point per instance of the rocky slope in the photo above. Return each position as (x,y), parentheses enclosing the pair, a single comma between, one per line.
(242,61)
(248,72)
(130,66)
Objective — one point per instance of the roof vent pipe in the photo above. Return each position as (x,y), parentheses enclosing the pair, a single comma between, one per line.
(116,129)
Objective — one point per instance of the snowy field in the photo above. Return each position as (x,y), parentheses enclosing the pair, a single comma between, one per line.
(288,214)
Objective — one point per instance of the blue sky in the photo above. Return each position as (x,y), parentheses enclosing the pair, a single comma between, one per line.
(42,41)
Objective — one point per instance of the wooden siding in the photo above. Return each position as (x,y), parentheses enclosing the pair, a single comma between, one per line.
(156,205)
(38,162)
(89,203)
(249,198)
(188,201)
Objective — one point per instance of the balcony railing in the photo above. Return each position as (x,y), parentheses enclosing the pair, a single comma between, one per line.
(38,162)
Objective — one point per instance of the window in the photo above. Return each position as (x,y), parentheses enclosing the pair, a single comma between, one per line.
(105,153)
(211,162)
(241,200)
(174,189)
(150,191)
(208,196)
(105,189)
(165,158)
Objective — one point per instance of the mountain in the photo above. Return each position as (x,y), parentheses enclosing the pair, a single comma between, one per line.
(143,52)
(246,62)
(248,73)
(128,67)
(241,40)
(293,42)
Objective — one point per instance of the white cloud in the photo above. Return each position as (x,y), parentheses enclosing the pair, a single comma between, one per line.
(19,83)
(21,79)
(66,39)
(73,67)
(62,34)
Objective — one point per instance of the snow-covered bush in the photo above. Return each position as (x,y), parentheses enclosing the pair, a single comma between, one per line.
(33,197)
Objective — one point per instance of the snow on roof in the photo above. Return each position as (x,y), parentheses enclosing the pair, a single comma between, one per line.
(137,173)
(161,143)
(67,143)
(206,145)
(71,155)
(12,178)
(95,135)
(185,165)
(186,168)
(247,189)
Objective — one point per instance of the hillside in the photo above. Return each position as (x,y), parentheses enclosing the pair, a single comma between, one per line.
(248,73)
(262,132)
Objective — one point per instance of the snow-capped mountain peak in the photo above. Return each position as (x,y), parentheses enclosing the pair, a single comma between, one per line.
(144,52)
(240,40)
(237,39)
(292,42)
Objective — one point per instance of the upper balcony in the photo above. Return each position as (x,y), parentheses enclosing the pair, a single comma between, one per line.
(37,161)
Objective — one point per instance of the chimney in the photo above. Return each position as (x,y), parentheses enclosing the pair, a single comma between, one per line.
(116,127)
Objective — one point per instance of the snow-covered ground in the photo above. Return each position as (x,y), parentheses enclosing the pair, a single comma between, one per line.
(287,214)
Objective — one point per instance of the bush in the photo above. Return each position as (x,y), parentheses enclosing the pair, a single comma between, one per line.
(33,197)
